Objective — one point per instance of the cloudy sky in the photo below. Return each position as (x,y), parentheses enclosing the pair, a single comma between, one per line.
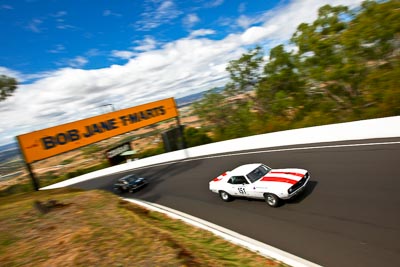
(73,57)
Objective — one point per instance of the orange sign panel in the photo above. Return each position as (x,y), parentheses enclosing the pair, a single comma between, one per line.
(62,138)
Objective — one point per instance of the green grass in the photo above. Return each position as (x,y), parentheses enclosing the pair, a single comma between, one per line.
(96,228)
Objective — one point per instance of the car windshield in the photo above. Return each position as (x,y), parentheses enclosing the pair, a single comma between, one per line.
(259,172)
(130,178)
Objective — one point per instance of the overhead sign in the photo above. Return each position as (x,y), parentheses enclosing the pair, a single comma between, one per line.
(62,138)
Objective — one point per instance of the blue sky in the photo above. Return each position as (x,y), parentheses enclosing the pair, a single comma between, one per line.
(71,57)
(45,35)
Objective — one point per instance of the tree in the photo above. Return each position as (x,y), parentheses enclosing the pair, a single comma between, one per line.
(211,109)
(323,59)
(227,117)
(281,85)
(374,33)
(381,89)
(7,86)
(196,137)
(372,43)
(244,72)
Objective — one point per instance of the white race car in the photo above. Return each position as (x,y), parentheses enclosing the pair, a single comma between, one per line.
(261,182)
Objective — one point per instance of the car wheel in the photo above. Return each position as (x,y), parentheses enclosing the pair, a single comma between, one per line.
(131,189)
(272,200)
(225,196)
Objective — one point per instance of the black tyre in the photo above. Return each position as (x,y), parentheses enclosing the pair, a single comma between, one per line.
(225,196)
(120,190)
(272,200)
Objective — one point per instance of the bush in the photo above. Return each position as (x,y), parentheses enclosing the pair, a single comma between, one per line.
(91,149)
(152,152)
(196,137)
(86,170)
(67,161)
(17,189)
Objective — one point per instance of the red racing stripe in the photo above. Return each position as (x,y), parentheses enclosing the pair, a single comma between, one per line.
(278,179)
(219,178)
(291,173)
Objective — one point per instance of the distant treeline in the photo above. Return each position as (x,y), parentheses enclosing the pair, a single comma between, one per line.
(342,67)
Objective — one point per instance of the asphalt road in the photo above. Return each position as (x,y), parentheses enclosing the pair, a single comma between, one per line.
(348,216)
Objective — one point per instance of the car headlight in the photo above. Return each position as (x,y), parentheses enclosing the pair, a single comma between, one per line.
(290,190)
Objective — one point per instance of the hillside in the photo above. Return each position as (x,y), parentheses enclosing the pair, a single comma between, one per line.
(68,227)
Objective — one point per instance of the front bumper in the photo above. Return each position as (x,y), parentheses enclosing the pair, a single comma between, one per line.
(298,187)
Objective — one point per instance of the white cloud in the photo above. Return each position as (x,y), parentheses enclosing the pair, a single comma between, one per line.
(21,78)
(10,73)
(201,32)
(108,13)
(93,52)
(245,21)
(59,14)
(77,62)
(145,45)
(242,7)
(157,13)
(190,20)
(122,54)
(257,34)
(214,3)
(59,48)
(65,26)
(34,25)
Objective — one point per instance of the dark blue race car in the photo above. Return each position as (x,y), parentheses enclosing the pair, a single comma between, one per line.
(130,183)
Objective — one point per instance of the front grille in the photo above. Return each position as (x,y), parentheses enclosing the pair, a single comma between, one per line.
(299,183)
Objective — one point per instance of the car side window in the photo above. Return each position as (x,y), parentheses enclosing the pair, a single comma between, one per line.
(238,180)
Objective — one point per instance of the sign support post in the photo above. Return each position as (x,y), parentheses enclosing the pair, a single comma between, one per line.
(35,181)
(182,134)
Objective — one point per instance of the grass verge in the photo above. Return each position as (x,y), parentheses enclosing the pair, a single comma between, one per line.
(69,227)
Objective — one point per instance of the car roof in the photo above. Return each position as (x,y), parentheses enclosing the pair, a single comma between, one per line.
(244,169)
(128,176)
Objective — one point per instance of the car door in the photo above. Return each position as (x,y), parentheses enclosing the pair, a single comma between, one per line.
(252,192)
(238,186)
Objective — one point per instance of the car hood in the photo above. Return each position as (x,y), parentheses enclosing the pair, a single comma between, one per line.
(138,181)
(289,176)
